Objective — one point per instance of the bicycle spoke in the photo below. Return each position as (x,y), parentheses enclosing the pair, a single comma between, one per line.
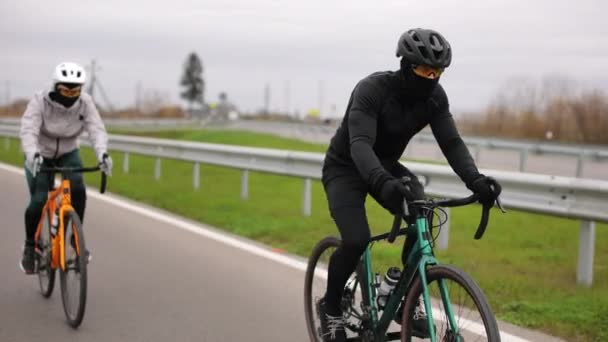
(472,318)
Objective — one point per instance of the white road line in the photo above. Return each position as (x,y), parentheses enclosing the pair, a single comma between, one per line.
(203,230)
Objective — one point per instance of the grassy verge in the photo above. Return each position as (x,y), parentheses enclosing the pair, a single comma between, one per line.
(526,263)
(231,137)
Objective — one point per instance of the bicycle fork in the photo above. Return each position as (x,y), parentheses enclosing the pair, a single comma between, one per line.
(445,300)
(427,258)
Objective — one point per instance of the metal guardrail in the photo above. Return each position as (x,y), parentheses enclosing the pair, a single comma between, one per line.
(582,199)
(526,148)
(126,123)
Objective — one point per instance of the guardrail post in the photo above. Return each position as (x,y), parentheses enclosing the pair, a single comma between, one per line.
(7,143)
(245,185)
(307,198)
(157,169)
(579,165)
(444,233)
(584,272)
(523,159)
(196,175)
(125,163)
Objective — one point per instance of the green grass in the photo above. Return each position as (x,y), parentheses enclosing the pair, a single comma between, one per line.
(232,137)
(526,263)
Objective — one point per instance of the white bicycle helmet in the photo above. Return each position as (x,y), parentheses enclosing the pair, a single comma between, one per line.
(68,72)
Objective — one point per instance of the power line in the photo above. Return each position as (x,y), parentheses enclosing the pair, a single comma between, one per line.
(105,97)
(95,83)
(93,69)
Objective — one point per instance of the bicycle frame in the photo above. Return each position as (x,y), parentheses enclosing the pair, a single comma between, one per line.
(422,256)
(57,242)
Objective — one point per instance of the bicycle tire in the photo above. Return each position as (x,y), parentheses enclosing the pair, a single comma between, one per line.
(471,288)
(351,301)
(78,264)
(309,301)
(46,274)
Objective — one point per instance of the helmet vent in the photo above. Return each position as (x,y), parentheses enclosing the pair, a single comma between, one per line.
(64,73)
(424,53)
(421,46)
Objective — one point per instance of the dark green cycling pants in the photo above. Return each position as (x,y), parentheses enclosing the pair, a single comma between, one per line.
(40,185)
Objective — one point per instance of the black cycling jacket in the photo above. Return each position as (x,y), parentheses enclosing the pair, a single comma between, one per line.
(381,119)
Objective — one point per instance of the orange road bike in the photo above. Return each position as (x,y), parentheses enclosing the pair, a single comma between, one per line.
(60,245)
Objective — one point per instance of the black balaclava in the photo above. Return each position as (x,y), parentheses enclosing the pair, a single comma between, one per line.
(416,87)
(67,102)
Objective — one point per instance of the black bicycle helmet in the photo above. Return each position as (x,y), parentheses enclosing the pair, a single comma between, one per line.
(424,47)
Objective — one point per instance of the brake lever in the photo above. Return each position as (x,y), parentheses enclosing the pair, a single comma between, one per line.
(406,210)
(499,204)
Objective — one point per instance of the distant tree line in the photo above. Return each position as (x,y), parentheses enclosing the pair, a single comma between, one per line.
(554,109)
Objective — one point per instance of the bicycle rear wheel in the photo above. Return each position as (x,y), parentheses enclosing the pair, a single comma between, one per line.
(473,317)
(74,277)
(46,274)
(315,285)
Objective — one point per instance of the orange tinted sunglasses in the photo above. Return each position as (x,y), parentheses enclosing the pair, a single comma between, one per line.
(69,92)
(427,71)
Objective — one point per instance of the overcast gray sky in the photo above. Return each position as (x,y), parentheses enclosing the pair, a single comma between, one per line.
(247,43)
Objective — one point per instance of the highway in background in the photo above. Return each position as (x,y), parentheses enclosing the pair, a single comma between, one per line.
(488,158)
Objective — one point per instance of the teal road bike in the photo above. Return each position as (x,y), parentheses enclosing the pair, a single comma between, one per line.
(455,306)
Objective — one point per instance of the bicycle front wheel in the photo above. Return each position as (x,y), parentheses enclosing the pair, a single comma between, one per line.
(74,277)
(46,274)
(315,285)
(472,319)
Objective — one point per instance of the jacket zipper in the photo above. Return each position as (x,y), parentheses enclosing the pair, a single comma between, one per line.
(56,149)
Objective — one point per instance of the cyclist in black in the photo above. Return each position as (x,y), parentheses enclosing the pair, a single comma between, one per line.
(385,110)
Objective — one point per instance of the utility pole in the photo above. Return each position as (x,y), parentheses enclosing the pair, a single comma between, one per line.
(7,99)
(138,96)
(287,98)
(267,99)
(8,93)
(321,97)
(92,77)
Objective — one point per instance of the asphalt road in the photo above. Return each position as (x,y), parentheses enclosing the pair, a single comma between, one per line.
(158,277)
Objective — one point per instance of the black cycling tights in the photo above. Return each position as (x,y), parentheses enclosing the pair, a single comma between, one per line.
(346,197)
(346,192)
(40,186)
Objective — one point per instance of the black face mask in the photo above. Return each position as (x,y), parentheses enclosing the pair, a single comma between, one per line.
(416,87)
(67,102)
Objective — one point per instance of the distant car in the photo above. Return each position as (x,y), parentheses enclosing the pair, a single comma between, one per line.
(233,115)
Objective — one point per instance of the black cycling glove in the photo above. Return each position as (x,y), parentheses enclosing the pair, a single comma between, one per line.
(488,189)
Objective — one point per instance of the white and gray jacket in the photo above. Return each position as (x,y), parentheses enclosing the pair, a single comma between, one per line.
(52,130)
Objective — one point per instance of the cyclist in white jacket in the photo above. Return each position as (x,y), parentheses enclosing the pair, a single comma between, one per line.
(49,134)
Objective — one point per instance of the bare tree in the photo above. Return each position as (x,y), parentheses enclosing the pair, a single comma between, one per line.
(524,109)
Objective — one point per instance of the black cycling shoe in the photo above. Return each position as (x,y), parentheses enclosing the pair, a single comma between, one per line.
(28,260)
(332,326)
(420,322)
